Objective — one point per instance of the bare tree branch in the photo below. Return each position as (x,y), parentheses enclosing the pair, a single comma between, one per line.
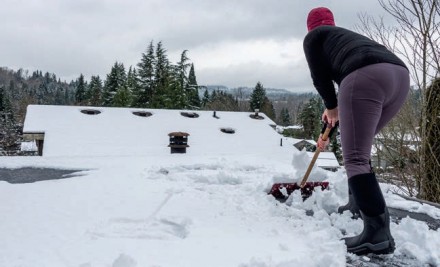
(416,38)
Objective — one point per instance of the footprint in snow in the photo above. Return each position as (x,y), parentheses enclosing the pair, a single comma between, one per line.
(162,228)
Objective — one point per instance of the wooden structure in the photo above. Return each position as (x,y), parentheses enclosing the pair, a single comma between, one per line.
(39,140)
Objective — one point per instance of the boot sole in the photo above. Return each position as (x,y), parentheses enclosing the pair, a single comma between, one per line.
(385,247)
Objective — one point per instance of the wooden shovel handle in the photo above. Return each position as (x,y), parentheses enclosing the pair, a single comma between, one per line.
(315,157)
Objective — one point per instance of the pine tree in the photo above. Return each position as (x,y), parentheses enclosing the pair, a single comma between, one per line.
(285,117)
(2,99)
(9,139)
(221,101)
(193,89)
(95,89)
(257,97)
(268,108)
(161,98)
(179,83)
(174,93)
(80,94)
(133,87)
(115,80)
(310,118)
(213,95)
(146,72)
(59,96)
(260,101)
(205,98)
(122,97)
(182,67)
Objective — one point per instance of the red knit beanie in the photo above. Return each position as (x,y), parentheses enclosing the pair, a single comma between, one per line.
(320,16)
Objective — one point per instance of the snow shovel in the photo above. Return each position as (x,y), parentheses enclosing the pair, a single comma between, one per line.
(282,190)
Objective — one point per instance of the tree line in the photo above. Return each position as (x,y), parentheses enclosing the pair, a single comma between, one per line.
(154,82)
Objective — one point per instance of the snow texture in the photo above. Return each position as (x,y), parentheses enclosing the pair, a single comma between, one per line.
(135,204)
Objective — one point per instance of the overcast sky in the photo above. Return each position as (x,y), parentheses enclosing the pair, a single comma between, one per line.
(232,43)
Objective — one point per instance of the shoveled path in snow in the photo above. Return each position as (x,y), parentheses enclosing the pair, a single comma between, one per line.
(31,175)
(399,214)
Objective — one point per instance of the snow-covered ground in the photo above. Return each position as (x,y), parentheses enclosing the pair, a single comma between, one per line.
(193,209)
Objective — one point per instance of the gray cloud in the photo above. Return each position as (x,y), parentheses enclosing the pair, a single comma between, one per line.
(84,36)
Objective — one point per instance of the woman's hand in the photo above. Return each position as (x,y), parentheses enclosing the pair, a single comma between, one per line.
(321,144)
(330,116)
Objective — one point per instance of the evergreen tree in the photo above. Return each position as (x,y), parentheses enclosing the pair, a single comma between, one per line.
(206,97)
(193,89)
(161,97)
(182,69)
(214,95)
(80,94)
(310,118)
(115,80)
(13,90)
(260,101)
(257,97)
(285,117)
(133,87)
(179,83)
(59,96)
(2,99)
(9,139)
(221,101)
(95,89)
(268,109)
(146,72)
(174,93)
(122,97)
(42,92)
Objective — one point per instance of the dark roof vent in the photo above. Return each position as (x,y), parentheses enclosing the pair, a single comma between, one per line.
(256,116)
(142,113)
(215,115)
(227,130)
(189,114)
(90,111)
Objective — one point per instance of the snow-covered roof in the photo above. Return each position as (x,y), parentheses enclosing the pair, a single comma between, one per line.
(117,131)
(127,211)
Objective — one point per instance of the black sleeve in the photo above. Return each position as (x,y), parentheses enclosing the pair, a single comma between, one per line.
(320,69)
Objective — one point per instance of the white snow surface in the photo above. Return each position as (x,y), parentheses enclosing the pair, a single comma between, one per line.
(133,204)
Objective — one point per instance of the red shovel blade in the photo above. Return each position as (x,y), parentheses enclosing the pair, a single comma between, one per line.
(278,188)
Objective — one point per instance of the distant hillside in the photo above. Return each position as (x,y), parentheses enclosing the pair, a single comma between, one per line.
(245,92)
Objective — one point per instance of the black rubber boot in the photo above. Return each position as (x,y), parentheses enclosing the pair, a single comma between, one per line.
(351,206)
(376,236)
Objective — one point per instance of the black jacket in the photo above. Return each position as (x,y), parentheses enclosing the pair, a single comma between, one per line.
(333,52)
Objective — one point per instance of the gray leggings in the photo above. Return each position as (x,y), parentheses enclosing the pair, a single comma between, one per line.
(368,99)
